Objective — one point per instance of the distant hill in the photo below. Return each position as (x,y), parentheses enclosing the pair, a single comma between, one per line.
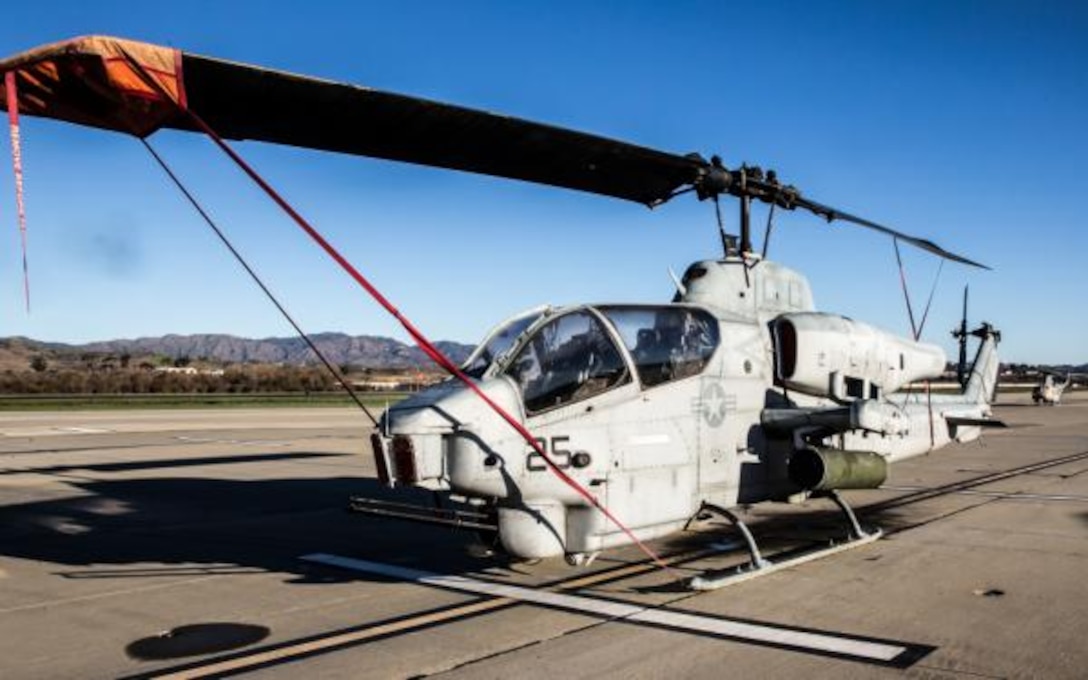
(360,350)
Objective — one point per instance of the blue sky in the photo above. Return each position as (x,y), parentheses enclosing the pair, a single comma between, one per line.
(958,121)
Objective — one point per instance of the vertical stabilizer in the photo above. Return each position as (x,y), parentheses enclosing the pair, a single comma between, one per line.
(982,381)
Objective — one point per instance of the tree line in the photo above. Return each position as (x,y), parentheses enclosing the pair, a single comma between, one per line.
(241,379)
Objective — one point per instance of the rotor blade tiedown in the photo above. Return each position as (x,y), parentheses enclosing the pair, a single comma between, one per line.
(125,66)
(916,329)
(339,377)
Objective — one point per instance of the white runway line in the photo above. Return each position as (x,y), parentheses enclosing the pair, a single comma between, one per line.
(818,642)
(237,442)
(52,431)
(82,430)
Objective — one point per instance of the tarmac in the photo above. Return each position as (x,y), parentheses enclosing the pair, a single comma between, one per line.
(215,543)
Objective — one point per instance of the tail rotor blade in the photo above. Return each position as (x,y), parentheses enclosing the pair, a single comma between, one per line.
(961,367)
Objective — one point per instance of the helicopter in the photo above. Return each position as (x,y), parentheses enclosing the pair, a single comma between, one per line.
(1049,392)
(576,429)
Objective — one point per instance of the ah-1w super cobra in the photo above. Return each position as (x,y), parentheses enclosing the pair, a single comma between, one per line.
(576,429)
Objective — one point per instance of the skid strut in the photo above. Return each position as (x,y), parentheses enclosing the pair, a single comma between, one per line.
(856,532)
(760,566)
(757,560)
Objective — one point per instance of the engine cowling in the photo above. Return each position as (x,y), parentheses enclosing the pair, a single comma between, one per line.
(828,355)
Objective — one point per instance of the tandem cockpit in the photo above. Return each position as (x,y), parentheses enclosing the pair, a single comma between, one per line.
(558,357)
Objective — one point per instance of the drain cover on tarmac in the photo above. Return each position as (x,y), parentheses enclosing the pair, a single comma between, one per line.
(195,639)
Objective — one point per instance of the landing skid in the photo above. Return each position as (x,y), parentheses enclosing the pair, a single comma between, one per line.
(761,566)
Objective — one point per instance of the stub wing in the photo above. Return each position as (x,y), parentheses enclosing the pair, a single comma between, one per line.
(966,421)
(868,415)
(876,417)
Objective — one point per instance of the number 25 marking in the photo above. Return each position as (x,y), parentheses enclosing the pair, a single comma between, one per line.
(556,450)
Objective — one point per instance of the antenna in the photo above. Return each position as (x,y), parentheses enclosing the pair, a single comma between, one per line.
(767,232)
(681,290)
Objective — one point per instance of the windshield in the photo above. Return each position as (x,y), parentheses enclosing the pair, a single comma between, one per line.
(567,360)
(499,341)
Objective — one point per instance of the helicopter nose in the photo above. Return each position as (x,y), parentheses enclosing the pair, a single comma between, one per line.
(410,450)
(430,436)
(395,460)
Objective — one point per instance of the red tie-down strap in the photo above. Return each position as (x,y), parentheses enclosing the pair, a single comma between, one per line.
(424,344)
(12,93)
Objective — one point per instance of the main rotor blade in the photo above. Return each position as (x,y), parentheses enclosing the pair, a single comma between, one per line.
(140,88)
(245,102)
(831,214)
(90,81)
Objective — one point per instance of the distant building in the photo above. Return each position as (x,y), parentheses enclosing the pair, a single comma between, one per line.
(381,384)
(188,370)
(397,383)
(183,370)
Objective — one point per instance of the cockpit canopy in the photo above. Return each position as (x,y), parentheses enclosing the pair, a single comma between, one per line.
(562,357)
(569,359)
(499,341)
(665,342)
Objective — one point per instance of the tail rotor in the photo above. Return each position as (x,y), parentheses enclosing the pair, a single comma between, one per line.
(961,335)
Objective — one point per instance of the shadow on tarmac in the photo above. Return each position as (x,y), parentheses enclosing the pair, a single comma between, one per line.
(169,526)
(137,465)
(166,526)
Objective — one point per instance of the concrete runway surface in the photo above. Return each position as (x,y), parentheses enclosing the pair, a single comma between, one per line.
(172,544)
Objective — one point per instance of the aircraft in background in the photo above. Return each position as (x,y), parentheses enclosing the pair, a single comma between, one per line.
(1049,392)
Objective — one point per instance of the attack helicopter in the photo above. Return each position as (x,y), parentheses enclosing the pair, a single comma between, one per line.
(1049,392)
(571,430)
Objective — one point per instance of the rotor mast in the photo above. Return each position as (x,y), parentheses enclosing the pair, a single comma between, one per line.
(745,183)
(745,226)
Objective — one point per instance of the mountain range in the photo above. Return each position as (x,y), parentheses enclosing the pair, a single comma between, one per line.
(359,350)
(362,351)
